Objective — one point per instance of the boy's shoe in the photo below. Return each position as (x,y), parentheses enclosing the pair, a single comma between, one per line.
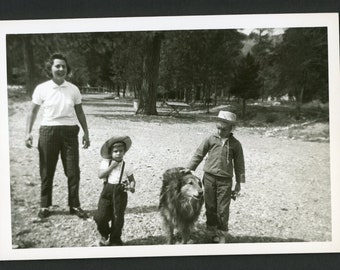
(44,213)
(104,241)
(215,239)
(220,237)
(78,212)
(117,242)
(224,236)
(212,232)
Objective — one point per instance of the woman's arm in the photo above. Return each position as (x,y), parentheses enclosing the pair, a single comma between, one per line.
(32,115)
(82,120)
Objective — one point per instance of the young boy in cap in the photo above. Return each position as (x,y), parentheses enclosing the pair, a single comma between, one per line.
(118,179)
(225,156)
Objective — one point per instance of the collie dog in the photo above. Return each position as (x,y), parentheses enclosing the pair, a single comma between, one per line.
(180,202)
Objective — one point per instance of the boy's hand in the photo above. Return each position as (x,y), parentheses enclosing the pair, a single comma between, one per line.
(114,163)
(236,192)
(185,171)
(132,189)
(237,188)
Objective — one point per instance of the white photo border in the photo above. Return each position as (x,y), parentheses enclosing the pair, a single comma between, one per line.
(329,20)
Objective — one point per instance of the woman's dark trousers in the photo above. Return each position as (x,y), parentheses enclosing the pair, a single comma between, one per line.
(55,140)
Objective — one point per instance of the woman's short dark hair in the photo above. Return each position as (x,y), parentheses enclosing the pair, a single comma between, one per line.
(50,61)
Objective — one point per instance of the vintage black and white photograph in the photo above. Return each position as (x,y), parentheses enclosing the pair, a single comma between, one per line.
(200,135)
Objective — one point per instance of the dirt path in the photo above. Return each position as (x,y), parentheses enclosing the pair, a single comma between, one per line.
(286,197)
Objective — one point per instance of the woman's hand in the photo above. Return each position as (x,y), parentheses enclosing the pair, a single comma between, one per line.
(29,141)
(86,141)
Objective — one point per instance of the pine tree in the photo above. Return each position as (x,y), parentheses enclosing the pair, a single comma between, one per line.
(246,84)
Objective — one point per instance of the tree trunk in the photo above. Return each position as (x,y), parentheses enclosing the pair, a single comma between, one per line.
(215,94)
(299,99)
(207,96)
(118,89)
(124,89)
(244,107)
(198,92)
(148,96)
(135,92)
(29,64)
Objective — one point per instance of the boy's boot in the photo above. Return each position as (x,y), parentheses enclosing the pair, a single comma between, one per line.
(104,241)
(211,229)
(212,233)
(223,235)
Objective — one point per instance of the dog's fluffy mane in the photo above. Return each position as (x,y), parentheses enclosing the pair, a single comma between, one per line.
(181,211)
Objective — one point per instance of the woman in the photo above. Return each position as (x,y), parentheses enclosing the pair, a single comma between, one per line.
(58,133)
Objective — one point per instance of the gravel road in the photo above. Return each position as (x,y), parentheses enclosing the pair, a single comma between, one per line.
(286,197)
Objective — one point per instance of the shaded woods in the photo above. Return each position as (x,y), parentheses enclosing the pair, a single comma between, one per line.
(205,66)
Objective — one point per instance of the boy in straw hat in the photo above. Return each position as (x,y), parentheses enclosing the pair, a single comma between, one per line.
(118,179)
(225,156)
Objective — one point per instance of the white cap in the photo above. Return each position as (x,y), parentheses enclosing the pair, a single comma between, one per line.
(227,116)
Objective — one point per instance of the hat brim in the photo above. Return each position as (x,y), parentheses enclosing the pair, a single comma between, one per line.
(104,151)
(225,120)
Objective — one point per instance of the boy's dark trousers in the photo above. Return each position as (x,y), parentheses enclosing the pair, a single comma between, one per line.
(217,196)
(55,140)
(111,207)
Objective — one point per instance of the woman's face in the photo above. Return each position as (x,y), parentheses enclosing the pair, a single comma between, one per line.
(59,71)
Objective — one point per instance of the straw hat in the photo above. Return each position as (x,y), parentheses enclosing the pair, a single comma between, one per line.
(104,151)
(226,116)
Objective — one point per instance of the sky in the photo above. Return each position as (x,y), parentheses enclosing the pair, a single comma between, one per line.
(247,31)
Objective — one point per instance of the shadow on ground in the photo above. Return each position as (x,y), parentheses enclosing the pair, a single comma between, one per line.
(198,238)
(160,118)
(122,110)
(201,237)
(142,209)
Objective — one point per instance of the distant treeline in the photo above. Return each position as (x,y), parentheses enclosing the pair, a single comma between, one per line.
(183,65)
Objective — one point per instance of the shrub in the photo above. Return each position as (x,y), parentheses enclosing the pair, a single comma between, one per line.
(271,117)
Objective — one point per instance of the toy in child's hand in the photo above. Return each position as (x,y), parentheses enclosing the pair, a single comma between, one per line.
(234,195)
(125,186)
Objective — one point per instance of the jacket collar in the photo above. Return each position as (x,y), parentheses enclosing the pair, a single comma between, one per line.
(218,136)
